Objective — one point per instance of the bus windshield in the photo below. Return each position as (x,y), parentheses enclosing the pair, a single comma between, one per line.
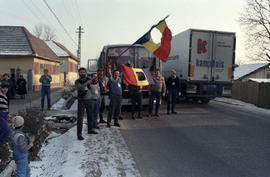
(137,57)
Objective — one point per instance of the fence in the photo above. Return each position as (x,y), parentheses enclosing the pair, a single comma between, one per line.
(252,92)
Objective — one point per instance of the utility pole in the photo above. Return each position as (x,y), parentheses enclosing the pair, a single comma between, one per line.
(79,45)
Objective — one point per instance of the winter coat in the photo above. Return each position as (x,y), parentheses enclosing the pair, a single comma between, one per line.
(21,83)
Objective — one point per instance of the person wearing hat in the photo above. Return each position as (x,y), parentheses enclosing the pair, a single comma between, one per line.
(173,90)
(21,145)
(5,129)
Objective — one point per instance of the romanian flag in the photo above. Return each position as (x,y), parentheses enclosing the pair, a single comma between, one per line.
(163,49)
(137,76)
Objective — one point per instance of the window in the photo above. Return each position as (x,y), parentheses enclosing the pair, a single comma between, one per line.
(141,76)
(41,68)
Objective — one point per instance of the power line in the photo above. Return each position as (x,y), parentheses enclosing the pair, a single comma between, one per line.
(80,17)
(35,15)
(39,10)
(59,21)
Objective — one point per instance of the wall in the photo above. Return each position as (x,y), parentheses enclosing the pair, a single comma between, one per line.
(54,71)
(252,92)
(24,63)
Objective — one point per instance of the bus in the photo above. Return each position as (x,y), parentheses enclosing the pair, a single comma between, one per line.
(136,56)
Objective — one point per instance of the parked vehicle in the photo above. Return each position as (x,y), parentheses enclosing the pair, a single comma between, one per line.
(204,61)
(137,57)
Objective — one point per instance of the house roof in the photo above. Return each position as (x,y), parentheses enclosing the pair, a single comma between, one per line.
(246,69)
(18,41)
(259,80)
(60,50)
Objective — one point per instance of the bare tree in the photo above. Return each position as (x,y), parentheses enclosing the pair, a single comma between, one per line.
(49,33)
(38,30)
(44,32)
(256,21)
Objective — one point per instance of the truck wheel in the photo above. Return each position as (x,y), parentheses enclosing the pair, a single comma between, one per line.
(205,100)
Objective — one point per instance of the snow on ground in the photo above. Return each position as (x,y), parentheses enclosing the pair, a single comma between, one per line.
(59,104)
(244,105)
(105,154)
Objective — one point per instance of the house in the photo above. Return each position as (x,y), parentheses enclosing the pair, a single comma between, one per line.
(256,70)
(252,84)
(23,53)
(68,63)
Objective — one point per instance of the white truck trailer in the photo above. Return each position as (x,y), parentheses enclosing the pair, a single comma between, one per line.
(203,60)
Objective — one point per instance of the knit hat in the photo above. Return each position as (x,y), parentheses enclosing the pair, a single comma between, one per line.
(4,84)
(18,121)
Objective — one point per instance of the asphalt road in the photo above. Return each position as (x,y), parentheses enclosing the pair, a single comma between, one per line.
(214,140)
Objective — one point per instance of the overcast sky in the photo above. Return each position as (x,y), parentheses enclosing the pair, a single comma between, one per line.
(123,21)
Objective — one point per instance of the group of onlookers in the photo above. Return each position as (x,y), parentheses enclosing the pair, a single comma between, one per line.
(20,142)
(92,90)
(14,87)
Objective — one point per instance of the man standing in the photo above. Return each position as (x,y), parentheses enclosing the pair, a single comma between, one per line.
(95,95)
(155,91)
(84,102)
(45,81)
(21,83)
(173,89)
(102,86)
(11,86)
(136,98)
(115,87)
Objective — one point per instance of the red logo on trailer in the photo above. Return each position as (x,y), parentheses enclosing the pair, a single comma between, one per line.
(201,46)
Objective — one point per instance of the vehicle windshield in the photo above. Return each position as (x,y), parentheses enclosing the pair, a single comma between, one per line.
(137,57)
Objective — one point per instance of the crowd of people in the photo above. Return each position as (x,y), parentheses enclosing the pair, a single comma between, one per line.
(91,97)
(92,90)
(14,87)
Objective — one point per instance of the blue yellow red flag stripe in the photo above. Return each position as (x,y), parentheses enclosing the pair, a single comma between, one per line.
(161,50)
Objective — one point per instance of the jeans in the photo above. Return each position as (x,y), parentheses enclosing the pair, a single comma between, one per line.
(4,128)
(172,95)
(114,108)
(153,95)
(82,105)
(95,106)
(46,90)
(101,107)
(136,98)
(22,168)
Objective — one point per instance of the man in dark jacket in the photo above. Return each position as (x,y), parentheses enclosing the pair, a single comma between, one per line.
(21,83)
(84,102)
(136,98)
(173,89)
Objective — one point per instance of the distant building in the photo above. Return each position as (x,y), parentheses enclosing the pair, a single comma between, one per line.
(68,63)
(23,53)
(256,70)
(252,84)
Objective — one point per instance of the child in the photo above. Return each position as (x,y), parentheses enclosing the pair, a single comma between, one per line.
(21,145)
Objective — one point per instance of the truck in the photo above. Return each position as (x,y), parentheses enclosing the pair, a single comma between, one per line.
(136,56)
(204,61)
